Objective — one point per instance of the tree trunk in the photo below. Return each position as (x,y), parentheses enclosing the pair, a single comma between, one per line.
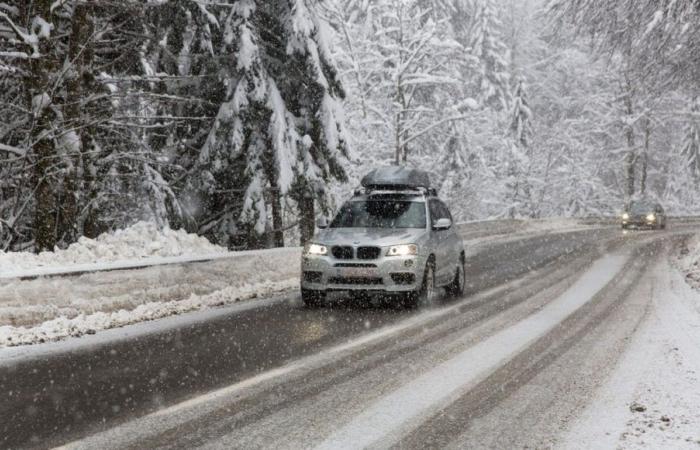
(277,232)
(400,94)
(91,223)
(80,56)
(630,162)
(631,155)
(36,87)
(307,216)
(397,137)
(44,211)
(545,185)
(645,156)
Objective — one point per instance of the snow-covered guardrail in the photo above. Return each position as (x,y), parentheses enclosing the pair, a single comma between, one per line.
(143,246)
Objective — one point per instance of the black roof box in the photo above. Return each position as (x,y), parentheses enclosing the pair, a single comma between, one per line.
(396,177)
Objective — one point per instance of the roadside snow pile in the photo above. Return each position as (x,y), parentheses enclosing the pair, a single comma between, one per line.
(63,327)
(689,262)
(140,241)
(41,309)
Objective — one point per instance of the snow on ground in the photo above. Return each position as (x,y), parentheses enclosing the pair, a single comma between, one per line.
(43,310)
(142,240)
(652,399)
(63,327)
(689,262)
(388,417)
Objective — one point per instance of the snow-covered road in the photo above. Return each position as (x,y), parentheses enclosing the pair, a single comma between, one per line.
(513,363)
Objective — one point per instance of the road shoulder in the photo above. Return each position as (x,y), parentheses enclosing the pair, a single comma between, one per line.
(651,399)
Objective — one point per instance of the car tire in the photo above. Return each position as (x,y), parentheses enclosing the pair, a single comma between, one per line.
(426,294)
(313,299)
(456,288)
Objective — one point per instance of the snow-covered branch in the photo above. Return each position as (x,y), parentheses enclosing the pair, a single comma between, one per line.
(14,150)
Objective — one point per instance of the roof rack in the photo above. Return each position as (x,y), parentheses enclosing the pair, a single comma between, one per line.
(396,190)
(396,177)
(396,180)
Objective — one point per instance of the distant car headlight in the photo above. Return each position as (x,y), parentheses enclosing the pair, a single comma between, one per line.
(651,217)
(625,216)
(402,250)
(317,249)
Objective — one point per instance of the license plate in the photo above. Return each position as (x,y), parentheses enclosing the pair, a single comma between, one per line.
(357,272)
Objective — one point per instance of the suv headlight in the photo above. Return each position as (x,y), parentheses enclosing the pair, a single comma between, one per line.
(651,217)
(402,250)
(317,249)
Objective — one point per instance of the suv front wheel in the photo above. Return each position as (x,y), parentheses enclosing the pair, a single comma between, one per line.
(426,294)
(456,288)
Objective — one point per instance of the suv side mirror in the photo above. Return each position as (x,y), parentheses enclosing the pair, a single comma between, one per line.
(321,223)
(442,224)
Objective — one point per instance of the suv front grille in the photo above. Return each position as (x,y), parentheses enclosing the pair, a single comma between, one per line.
(342,252)
(356,280)
(352,264)
(368,252)
(403,278)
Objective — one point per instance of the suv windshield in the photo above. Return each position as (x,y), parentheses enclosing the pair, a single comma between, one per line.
(381,214)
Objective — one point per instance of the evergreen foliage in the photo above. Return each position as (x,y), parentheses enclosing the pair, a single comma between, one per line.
(236,119)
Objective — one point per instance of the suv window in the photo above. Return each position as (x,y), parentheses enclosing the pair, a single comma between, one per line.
(435,213)
(445,210)
(438,210)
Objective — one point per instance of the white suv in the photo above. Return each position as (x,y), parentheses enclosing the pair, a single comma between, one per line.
(394,237)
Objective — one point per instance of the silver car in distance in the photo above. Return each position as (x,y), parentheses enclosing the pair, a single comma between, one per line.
(644,214)
(394,237)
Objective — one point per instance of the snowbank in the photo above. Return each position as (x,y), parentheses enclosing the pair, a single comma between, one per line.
(63,327)
(689,262)
(141,241)
(42,310)
(50,309)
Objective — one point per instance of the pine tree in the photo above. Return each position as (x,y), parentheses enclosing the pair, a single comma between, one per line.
(79,135)
(521,116)
(520,157)
(663,36)
(278,134)
(690,147)
(485,41)
(408,76)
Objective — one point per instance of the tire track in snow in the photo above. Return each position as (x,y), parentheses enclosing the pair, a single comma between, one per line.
(387,418)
